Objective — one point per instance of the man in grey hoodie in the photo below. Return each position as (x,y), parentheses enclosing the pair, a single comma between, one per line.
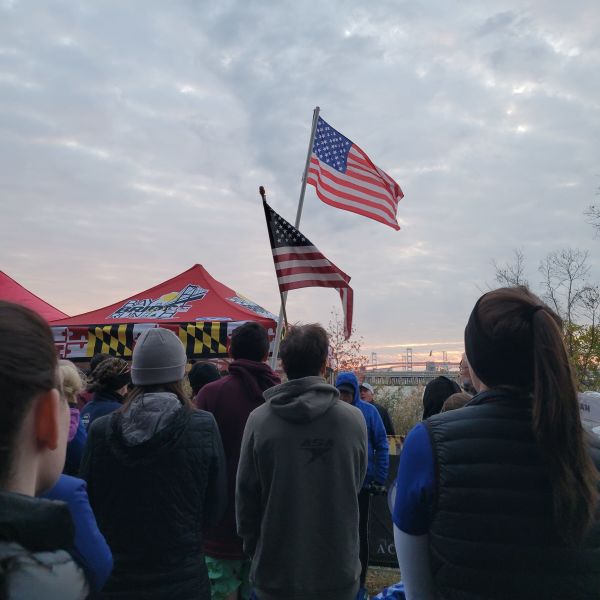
(303,461)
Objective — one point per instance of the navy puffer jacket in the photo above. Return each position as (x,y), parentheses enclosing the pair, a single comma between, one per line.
(156,479)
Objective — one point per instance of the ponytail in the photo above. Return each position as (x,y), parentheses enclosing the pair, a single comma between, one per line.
(515,342)
(559,433)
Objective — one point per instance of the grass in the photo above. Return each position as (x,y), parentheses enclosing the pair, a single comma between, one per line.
(379,578)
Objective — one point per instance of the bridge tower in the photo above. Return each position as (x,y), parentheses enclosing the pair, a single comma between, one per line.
(409,359)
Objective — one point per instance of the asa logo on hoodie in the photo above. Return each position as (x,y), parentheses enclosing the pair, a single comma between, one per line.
(317,448)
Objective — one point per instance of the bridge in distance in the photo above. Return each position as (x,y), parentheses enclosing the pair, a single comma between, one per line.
(407,374)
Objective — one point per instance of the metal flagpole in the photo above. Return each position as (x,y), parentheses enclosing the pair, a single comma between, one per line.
(313,132)
(263,195)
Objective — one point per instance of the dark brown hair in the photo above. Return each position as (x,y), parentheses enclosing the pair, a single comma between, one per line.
(249,341)
(304,351)
(110,375)
(28,367)
(536,332)
(175,387)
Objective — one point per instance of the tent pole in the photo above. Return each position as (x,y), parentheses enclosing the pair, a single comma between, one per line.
(282,313)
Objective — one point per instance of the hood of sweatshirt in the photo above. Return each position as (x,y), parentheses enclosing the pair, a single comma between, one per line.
(148,415)
(149,425)
(349,378)
(301,400)
(256,377)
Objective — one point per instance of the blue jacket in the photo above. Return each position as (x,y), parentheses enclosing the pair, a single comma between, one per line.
(377,469)
(91,551)
(75,451)
(103,403)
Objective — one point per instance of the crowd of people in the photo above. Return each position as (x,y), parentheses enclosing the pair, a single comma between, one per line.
(122,485)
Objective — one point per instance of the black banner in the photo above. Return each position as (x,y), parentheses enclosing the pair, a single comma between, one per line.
(382,551)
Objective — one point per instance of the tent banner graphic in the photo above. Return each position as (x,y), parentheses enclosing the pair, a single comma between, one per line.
(201,339)
(165,307)
(255,308)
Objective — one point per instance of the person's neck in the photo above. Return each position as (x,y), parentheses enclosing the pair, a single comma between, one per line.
(23,482)
(24,471)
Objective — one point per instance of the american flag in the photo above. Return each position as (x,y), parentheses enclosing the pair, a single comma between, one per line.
(345,177)
(299,264)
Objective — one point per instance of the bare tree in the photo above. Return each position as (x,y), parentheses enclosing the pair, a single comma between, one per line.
(593,217)
(564,284)
(565,287)
(511,274)
(587,339)
(345,355)
(565,274)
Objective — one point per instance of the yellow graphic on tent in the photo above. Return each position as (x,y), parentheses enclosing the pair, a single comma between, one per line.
(204,338)
(116,340)
(168,297)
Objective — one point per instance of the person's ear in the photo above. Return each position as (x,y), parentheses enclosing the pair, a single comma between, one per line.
(323,371)
(48,413)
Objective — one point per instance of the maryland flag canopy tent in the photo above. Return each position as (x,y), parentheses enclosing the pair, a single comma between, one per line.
(12,291)
(199,309)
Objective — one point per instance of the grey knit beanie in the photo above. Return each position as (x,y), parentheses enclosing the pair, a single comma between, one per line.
(158,357)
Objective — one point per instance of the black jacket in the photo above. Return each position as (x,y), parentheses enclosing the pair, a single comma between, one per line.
(35,539)
(492,534)
(385,418)
(156,479)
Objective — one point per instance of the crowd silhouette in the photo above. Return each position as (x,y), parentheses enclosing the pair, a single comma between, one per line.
(120,484)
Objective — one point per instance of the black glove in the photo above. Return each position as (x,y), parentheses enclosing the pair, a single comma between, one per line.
(376,489)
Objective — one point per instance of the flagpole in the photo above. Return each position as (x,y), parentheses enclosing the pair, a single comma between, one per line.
(307,165)
(263,195)
(282,314)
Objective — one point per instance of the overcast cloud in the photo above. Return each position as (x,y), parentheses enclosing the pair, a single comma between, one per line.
(134,136)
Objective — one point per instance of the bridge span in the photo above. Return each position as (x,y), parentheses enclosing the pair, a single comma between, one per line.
(405,378)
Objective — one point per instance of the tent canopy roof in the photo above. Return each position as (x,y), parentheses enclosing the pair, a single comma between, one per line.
(192,296)
(12,291)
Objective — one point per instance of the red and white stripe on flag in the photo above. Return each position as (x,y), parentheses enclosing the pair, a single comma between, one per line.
(345,177)
(347,296)
(304,266)
(298,264)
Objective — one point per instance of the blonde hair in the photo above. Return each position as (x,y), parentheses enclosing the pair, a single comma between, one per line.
(71,380)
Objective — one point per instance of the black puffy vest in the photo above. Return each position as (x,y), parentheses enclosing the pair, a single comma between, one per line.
(491,531)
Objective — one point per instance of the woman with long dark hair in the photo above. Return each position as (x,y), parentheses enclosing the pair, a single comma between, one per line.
(36,535)
(500,499)
(155,472)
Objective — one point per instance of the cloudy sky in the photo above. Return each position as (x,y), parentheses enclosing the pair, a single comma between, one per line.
(134,136)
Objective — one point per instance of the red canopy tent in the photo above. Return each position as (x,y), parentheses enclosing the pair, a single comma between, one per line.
(12,291)
(199,309)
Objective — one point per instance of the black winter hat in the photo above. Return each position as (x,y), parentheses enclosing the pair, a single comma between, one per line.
(202,373)
(437,391)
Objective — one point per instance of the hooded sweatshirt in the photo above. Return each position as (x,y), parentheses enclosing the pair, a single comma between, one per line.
(377,470)
(230,400)
(156,478)
(302,464)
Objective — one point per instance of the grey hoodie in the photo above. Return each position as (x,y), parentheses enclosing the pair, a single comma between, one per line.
(302,464)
